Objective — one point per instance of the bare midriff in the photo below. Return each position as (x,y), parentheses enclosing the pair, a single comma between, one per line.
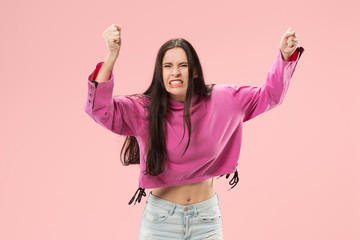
(186,194)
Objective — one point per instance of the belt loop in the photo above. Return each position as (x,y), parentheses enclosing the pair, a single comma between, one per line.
(171,211)
(196,211)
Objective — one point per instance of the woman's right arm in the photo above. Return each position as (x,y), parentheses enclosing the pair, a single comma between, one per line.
(122,115)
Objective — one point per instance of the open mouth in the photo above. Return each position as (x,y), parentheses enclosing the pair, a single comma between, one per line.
(176,82)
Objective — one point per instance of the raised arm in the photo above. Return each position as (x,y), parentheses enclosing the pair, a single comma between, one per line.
(123,115)
(112,36)
(251,101)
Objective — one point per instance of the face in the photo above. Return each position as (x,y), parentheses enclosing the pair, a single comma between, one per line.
(175,67)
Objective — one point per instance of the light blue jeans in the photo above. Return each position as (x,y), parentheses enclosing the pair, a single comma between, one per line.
(165,220)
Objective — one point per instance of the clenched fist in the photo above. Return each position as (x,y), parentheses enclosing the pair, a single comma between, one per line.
(112,38)
(288,44)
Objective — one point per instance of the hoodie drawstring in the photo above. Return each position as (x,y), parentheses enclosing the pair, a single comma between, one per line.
(234,180)
(138,198)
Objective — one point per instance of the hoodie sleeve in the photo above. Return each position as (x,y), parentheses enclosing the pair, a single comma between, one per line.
(252,101)
(123,115)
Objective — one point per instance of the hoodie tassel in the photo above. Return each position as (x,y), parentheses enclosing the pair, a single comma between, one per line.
(138,198)
(234,180)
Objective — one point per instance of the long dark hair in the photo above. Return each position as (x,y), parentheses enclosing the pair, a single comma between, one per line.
(158,107)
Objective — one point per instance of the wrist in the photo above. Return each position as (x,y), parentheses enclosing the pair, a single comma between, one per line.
(112,55)
(111,58)
(285,57)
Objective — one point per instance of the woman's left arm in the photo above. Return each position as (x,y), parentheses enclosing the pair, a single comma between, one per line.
(251,100)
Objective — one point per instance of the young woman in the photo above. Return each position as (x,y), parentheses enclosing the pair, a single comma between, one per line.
(179,105)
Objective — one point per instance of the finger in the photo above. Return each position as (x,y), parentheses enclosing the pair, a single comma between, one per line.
(293,39)
(289,32)
(290,29)
(292,42)
(118,27)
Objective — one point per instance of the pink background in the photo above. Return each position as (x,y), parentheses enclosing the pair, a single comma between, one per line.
(60,172)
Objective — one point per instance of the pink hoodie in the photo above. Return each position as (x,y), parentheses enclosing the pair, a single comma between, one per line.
(216,122)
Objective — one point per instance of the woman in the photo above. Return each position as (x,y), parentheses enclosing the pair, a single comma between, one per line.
(183,203)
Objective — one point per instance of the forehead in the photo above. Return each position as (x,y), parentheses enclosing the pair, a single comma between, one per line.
(175,55)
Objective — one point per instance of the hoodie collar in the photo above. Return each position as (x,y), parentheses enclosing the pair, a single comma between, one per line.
(180,105)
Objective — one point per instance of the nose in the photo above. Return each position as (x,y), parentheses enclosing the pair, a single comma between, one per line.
(175,72)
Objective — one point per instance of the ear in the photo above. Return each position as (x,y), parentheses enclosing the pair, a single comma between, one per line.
(195,74)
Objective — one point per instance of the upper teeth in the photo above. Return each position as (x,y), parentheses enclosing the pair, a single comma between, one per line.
(176,82)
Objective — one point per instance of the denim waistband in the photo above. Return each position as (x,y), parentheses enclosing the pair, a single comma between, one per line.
(159,203)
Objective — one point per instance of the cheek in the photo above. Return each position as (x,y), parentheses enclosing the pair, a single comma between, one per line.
(164,79)
(165,76)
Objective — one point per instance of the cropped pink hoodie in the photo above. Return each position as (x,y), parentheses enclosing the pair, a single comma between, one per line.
(217,124)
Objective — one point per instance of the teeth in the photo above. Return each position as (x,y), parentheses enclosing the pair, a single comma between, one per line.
(176,82)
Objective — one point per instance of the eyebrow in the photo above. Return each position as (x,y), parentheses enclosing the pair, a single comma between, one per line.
(171,63)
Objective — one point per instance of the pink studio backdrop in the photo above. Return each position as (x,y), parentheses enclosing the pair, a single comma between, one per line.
(60,172)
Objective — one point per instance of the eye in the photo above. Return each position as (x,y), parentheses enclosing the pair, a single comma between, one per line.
(183,65)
